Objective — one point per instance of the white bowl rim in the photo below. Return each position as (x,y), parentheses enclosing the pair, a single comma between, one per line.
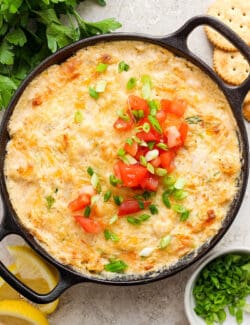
(189,286)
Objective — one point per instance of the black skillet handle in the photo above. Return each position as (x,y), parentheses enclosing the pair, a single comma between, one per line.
(66,279)
(179,41)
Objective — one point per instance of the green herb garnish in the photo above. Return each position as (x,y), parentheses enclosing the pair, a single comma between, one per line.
(122,66)
(101,67)
(118,199)
(114,180)
(131,83)
(87,211)
(193,120)
(153,105)
(155,123)
(165,199)
(93,93)
(90,171)
(153,209)
(165,241)
(116,266)
(146,86)
(50,201)
(137,221)
(109,235)
(107,196)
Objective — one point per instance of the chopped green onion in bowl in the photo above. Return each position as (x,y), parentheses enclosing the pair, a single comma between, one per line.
(218,292)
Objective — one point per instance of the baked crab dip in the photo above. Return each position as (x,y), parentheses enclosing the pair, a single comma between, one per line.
(122,159)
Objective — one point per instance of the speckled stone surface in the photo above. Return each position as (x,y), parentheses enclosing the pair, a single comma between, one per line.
(161,302)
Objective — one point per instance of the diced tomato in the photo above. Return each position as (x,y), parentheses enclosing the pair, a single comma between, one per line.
(87,189)
(122,125)
(161,116)
(166,105)
(156,162)
(173,136)
(167,160)
(131,206)
(141,152)
(137,103)
(89,225)
(171,120)
(152,135)
(131,175)
(131,148)
(150,183)
(117,170)
(80,203)
(183,131)
(176,107)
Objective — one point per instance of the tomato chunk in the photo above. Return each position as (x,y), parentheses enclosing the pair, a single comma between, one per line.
(150,183)
(122,125)
(161,116)
(131,206)
(137,103)
(167,160)
(156,162)
(173,137)
(89,225)
(131,175)
(131,148)
(183,131)
(80,203)
(176,107)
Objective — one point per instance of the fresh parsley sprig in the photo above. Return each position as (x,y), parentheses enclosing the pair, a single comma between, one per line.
(32,30)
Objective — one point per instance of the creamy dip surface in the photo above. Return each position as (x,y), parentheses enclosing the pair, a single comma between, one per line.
(58,130)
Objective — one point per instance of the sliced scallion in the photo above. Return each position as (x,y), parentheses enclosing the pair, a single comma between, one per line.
(150,168)
(165,199)
(153,209)
(107,196)
(109,235)
(116,266)
(118,199)
(101,67)
(155,123)
(131,83)
(146,86)
(161,171)
(90,171)
(93,93)
(146,127)
(123,66)
(165,241)
(152,154)
(87,211)
(113,219)
(114,180)
(101,86)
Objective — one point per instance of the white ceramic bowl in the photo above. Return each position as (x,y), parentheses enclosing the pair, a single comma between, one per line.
(189,298)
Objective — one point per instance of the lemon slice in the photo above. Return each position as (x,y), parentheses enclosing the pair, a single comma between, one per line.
(6,291)
(20,313)
(35,273)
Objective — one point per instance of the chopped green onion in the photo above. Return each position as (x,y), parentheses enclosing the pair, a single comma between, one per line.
(101,86)
(146,195)
(184,215)
(131,83)
(162,146)
(153,105)
(128,159)
(107,196)
(118,199)
(145,252)
(193,120)
(150,168)
(87,211)
(141,204)
(101,67)
(109,235)
(94,199)
(121,152)
(95,182)
(114,180)
(136,139)
(179,184)
(151,145)
(155,123)
(50,201)
(143,161)
(165,199)
(169,180)
(146,127)
(78,117)
(137,221)
(138,114)
(116,266)
(122,66)
(180,195)
(129,141)
(124,116)
(90,171)
(161,171)
(113,219)
(153,209)
(179,208)
(93,93)
(152,154)
(165,241)
(146,86)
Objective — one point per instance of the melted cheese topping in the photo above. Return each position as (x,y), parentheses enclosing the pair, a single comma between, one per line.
(49,153)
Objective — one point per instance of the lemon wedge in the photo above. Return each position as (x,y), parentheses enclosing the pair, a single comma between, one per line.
(20,313)
(34,272)
(6,291)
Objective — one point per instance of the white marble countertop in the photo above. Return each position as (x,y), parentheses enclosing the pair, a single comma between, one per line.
(160,302)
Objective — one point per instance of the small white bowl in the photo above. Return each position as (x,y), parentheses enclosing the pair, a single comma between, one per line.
(189,301)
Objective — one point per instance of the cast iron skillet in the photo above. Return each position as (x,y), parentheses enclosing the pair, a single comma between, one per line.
(176,43)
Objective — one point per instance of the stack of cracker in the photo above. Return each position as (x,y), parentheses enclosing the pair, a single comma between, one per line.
(227,61)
